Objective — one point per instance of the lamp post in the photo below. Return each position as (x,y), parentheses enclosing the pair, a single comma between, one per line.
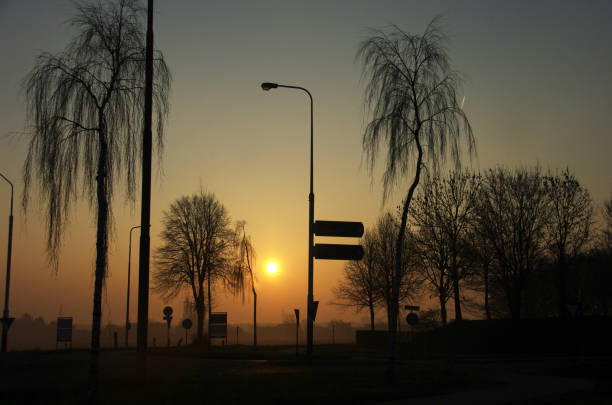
(310,315)
(6,321)
(127,300)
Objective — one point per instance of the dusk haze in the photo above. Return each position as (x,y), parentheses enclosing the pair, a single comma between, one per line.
(459,150)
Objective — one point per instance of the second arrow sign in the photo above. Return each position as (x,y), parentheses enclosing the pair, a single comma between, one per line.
(338,252)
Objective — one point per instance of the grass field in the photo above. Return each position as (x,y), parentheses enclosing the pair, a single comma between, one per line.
(233,374)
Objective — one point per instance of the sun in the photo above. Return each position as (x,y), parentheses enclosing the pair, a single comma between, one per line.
(272,268)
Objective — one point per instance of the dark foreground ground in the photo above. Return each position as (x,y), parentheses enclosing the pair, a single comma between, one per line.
(338,374)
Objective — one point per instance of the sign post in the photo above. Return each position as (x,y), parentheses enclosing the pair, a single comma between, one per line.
(187,325)
(297,329)
(64,331)
(327,251)
(168,318)
(218,325)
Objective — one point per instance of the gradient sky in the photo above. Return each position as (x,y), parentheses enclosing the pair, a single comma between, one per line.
(537,91)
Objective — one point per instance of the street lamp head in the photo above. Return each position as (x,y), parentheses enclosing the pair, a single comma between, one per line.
(267,86)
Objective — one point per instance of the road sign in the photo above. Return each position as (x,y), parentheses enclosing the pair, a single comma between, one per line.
(218,325)
(64,329)
(337,252)
(167,311)
(297,315)
(315,306)
(412,307)
(412,319)
(338,228)
(187,323)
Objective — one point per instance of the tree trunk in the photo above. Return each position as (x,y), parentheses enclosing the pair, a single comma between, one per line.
(372,327)
(200,309)
(443,308)
(254,318)
(389,320)
(561,280)
(209,306)
(486,292)
(457,296)
(398,261)
(101,258)
(515,303)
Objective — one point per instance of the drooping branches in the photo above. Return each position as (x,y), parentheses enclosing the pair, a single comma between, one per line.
(84,106)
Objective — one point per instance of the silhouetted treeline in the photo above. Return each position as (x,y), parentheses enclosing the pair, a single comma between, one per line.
(503,243)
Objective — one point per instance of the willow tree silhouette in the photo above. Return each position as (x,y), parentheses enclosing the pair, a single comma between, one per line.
(85,106)
(412,96)
(243,269)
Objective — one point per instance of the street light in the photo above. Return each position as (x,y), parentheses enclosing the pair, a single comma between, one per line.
(6,321)
(310,315)
(127,304)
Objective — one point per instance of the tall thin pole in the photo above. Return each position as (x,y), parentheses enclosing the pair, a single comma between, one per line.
(127,299)
(145,214)
(297,330)
(311,200)
(6,321)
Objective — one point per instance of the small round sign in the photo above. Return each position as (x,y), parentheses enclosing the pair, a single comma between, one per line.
(167,311)
(412,319)
(187,323)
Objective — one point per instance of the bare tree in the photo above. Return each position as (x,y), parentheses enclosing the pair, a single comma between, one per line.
(444,211)
(383,260)
(607,218)
(412,94)
(432,251)
(512,214)
(568,228)
(359,287)
(196,248)
(85,107)
(480,257)
(243,268)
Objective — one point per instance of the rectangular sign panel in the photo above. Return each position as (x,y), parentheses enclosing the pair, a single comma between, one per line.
(338,252)
(64,329)
(338,228)
(218,325)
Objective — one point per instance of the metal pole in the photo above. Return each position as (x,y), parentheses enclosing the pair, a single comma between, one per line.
(297,329)
(311,201)
(6,321)
(127,304)
(145,213)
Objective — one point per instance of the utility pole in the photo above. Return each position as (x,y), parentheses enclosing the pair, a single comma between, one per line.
(127,304)
(145,213)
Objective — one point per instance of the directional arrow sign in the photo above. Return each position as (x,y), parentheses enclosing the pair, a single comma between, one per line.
(338,228)
(315,306)
(338,252)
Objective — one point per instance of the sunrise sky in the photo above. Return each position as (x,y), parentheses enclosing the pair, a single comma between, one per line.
(537,91)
